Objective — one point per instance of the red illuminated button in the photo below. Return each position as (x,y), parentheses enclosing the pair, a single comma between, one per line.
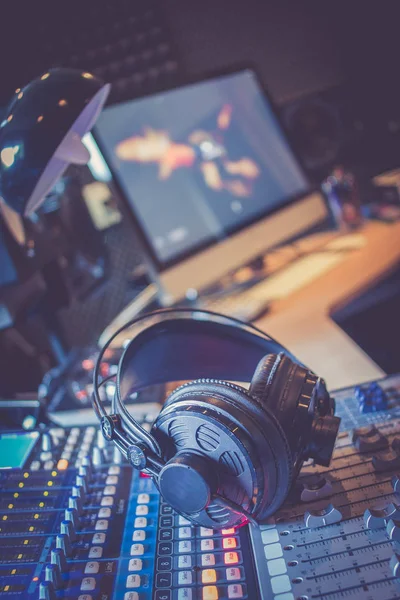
(231,558)
(229,542)
(228,531)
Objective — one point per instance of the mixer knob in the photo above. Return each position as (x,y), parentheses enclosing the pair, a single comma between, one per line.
(71,514)
(97,457)
(63,542)
(75,502)
(369,439)
(325,516)
(58,558)
(375,518)
(393,530)
(395,564)
(47,591)
(315,488)
(386,461)
(396,483)
(68,529)
(47,444)
(84,472)
(53,574)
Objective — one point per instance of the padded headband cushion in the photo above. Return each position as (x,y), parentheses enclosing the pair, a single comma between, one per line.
(179,349)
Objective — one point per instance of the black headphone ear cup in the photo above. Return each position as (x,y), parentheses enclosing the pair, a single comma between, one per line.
(195,417)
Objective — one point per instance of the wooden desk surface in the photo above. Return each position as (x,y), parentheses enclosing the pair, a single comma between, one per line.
(302,321)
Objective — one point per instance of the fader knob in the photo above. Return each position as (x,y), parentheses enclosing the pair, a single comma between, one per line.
(53,574)
(393,530)
(97,457)
(87,463)
(69,530)
(71,514)
(75,502)
(81,482)
(47,591)
(100,440)
(78,490)
(47,444)
(63,542)
(58,558)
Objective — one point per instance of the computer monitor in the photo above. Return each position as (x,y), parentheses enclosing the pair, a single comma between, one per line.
(209,176)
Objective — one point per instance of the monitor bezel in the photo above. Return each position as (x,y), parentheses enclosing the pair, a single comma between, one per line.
(144,239)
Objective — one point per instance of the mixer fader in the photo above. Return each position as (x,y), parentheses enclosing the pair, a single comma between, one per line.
(77,522)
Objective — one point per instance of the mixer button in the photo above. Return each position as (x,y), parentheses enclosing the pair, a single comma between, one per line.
(210,592)
(166,509)
(143,499)
(137,549)
(229,543)
(184,532)
(131,596)
(112,480)
(231,558)
(184,594)
(165,535)
(95,552)
(140,522)
(66,455)
(167,521)
(139,535)
(101,525)
(183,520)
(164,548)
(85,597)
(314,488)
(207,560)
(99,538)
(207,545)
(92,568)
(135,564)
(162,595)
(164,563)
(88,584)
(109,490)
(185,577)
(45,456)
(35,465)
(133,581)
(49,465)
(206,532)
(185,546)
(142,510)
(104,513)
(107,501)
(325,516)
(393,530)
(163,580)
(235,591)
(233,574)
(114,470)
(185,561)
(387,461)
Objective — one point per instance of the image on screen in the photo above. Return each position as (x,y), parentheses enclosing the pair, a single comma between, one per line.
(15,449)
(199,162)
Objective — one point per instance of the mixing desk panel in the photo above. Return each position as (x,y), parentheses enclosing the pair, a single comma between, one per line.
(77,522)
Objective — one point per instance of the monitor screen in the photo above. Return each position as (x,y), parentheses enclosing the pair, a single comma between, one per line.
(200,162)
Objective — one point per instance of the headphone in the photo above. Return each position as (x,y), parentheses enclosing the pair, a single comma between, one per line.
(220,454)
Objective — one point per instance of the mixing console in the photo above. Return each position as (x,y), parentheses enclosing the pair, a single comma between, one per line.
(76,522)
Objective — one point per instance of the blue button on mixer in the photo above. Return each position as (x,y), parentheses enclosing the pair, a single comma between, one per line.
(371,398)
